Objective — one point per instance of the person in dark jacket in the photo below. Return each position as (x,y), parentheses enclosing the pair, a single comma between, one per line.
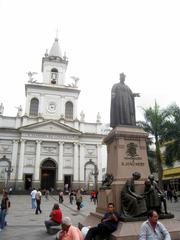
(4,209)
(107,225)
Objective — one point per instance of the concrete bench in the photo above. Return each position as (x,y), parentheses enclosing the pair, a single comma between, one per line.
(54,229)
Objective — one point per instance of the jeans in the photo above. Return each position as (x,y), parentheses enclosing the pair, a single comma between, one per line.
(33,201)
(61,199)
(38,207)
(2,217)
(78,205)
(49,223)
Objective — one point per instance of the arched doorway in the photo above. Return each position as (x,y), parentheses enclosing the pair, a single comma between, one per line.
(48,174)
(89,168)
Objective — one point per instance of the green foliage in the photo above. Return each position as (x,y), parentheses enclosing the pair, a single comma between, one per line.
(164,126)
(151,156)
(155,123)
(172,135)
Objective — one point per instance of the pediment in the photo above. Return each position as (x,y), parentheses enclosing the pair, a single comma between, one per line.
(50,127)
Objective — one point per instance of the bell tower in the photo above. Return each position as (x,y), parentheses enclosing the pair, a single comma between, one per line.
(54,65)
(52,98)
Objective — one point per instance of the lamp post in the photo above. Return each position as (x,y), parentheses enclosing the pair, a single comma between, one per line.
(95,174)
(8,170)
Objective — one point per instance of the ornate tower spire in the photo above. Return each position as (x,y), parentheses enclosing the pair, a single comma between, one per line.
(54,65)
(55,50)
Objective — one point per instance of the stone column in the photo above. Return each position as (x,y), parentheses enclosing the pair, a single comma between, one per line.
(27,106)
(99,161)
(81,163)
(41,102)
(37,161)
(75,108)
(76,165)
(62,106)
(60,162)
(21,160)
(14,158)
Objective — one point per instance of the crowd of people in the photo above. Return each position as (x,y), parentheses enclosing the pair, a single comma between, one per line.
(150,229)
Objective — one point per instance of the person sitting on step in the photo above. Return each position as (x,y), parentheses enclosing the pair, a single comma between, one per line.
(107,225)
(55,217)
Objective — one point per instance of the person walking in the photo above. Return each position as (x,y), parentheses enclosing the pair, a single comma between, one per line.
(71,197)
(61,196)
(96,197)
(4,209)
(55,217)
(33,198)
(152,229)
(38,201)
(46,194)
(174,195)
(92,196)
(78,199)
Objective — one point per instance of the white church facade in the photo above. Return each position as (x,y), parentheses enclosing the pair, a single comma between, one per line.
(48,146)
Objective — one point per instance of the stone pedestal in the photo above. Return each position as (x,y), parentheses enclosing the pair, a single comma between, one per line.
(104,197)
(130,230)
(126,153)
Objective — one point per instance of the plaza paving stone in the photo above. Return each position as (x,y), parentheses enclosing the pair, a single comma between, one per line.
(23,224)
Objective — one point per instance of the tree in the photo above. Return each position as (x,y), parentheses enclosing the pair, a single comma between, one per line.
(154,124)
(151,156)
(172,135)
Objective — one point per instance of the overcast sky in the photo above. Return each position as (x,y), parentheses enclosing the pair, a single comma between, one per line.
(101,38)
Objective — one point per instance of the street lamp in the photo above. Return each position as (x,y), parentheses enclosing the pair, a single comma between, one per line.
(8,170)
(95,174)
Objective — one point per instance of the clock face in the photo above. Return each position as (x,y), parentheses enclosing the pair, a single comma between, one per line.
(52,107)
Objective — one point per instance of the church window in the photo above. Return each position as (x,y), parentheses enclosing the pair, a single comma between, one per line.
(54,75)
(34,107)
(69,110)
(48,164)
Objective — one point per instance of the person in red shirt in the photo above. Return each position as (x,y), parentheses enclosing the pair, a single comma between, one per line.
(93,196)
(55,217)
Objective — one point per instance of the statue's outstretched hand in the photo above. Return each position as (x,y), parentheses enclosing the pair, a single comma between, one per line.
(140,197)
(136,94)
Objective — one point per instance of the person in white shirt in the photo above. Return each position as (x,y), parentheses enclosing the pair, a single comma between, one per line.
(33,198)
(38,201)
(152,229)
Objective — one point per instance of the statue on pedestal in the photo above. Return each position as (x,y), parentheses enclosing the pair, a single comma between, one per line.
(98,119)
(122,104)
(132,204)
(154,196)
(19,111)
(108,179)
(82,116)
(1,109)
